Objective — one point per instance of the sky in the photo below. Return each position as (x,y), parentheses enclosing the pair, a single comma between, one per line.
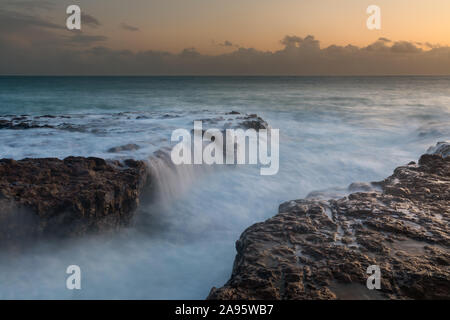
(267,37)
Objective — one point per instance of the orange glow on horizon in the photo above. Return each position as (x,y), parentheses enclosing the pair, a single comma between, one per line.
(173,25)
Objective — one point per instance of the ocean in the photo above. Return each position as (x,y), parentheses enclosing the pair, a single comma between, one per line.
(333,131)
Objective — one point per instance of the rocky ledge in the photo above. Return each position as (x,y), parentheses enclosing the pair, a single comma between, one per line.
(74,196)
(77,196)
(317,249)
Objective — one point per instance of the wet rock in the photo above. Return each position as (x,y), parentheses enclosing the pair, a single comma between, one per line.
(48,116)
(74,128)
(361,186)
(321,249)
(336,193)
(212,121)
(127,147)
(245,121)
(331,193)
(70,197)
(255,122)
(442,148)
(21,124)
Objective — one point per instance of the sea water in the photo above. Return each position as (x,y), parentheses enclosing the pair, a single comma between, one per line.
(333,131)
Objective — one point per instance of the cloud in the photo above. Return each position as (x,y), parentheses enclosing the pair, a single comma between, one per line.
(81,54)
(227,44)
(84,39)
(190,53)
(405,47)
(378,46)
(431,45)
(291,41)
(384,39)
(127,27)
(296,42)
(87,19)
(11,21)
(29,5)
(32,33)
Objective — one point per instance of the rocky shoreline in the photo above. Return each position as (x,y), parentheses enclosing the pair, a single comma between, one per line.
(49,197)
(314,248)
(321,249)
(65,198)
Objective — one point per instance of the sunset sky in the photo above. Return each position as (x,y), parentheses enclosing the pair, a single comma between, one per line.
(176,24)
(217,27)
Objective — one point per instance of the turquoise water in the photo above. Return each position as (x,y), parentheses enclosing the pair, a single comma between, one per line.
(333,131)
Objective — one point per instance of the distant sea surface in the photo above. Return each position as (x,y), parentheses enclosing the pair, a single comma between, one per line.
(333,131)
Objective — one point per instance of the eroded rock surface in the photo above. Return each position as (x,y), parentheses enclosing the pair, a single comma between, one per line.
(442,148)
(20,124)
(237,120)
(69,197)
(127,147)
(321,249)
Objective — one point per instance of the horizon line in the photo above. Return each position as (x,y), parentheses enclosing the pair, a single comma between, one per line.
(224,75)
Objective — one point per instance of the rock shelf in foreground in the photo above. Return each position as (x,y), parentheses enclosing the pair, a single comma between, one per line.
(74,196)
(316,249)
